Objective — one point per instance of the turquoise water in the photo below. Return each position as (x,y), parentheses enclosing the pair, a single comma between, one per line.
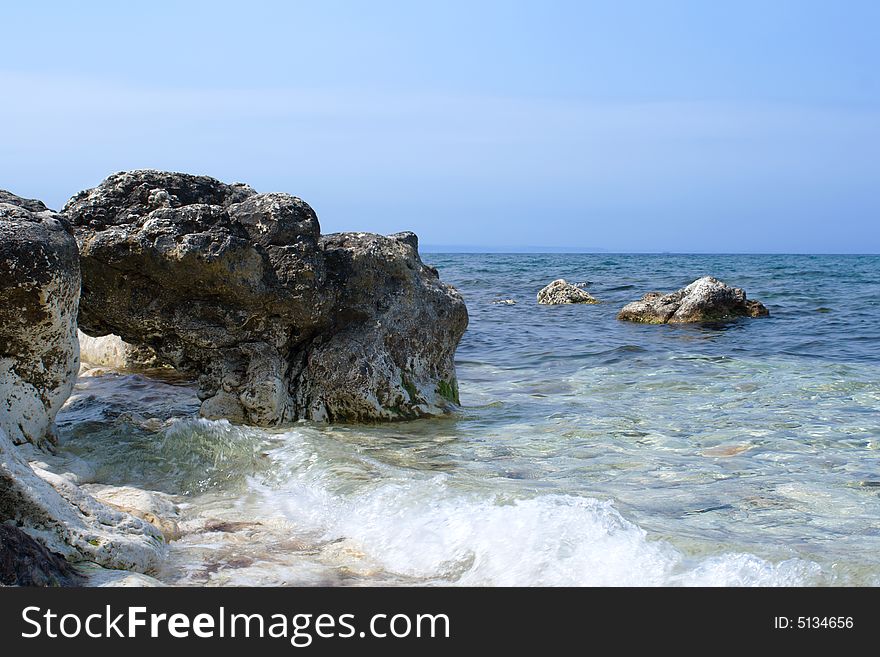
(587,451)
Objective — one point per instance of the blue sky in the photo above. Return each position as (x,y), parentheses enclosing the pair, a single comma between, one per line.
(630,126)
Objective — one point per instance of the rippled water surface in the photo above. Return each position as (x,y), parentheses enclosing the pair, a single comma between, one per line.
(587,451)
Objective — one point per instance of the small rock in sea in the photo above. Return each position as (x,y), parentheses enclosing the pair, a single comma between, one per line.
(504,302)
(823,310)
(705,300)
(561,292)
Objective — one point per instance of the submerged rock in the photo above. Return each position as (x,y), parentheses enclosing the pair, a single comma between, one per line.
(705,300)
(560,292)
(39,293)
(278,322)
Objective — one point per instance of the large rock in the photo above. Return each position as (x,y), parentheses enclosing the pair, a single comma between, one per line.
(560,292)
(39,360)
(705,300)
(278,322)
(39,293)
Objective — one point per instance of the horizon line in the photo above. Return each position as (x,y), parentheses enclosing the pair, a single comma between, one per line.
(454,250)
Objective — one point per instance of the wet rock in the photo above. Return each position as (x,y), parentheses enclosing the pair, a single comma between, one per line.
(389,352)
(106,578)
(25,562)
(156,508)
(559,292)
(504,302)
(53,510)
(39,294)
(705,300)
(39,360)
(278,322)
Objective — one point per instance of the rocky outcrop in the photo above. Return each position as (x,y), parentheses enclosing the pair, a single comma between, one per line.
(278,322)
(39,293)
(112,351)
(560,292)
(25,562)
(705,300)
(39,359)
(69,522)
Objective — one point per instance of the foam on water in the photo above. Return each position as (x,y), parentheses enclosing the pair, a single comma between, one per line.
(424,527)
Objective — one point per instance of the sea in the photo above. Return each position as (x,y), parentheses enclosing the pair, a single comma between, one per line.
(587,451)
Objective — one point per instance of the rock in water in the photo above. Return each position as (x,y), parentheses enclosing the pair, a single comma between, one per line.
(25,562)
(560,292)
(278,322)
(39,293)
(705,300)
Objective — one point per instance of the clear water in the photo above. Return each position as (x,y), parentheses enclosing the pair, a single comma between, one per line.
(588,451)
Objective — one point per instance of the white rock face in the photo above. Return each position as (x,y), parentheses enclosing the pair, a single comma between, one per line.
(39,360)
(112,351)
(54,510)
(39,299)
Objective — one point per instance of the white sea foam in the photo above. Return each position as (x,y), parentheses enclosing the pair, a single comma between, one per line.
(424,527)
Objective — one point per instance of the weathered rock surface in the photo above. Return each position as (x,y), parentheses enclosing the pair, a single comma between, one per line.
(560,292)
(69,522)
(112,351)
(705,300)
(39,360)
(39,293)
(25,562)
(278,322)
(156,508)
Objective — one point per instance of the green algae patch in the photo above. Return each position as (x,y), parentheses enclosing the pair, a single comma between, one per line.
(448,390)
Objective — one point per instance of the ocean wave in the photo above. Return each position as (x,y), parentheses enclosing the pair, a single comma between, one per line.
(425,528)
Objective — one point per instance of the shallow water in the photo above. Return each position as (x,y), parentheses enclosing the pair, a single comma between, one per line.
(587,451)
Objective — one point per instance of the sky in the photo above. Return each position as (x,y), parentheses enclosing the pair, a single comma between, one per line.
(652,126)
